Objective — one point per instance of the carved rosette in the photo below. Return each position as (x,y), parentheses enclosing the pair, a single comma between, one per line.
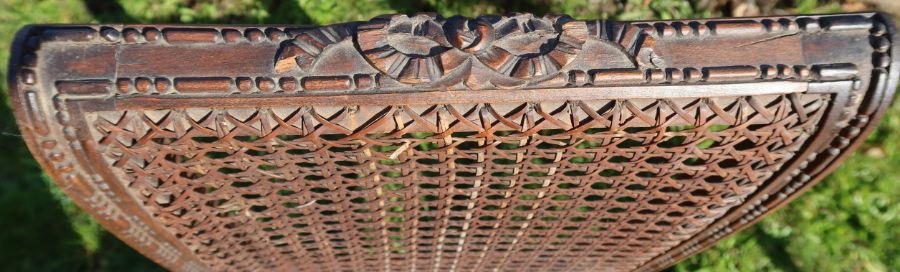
(527,47)
(412,50)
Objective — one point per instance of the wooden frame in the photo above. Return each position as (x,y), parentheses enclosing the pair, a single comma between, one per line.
(424,143)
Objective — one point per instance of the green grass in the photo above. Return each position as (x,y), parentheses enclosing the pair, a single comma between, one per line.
(849,222)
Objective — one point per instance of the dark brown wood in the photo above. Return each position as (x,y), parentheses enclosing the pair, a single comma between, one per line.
(425,143)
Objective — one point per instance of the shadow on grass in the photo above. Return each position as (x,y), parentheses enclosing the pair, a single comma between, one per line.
(286,12)
(108,11)
(776,249)
(34,224)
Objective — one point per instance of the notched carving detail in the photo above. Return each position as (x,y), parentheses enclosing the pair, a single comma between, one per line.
(307,47)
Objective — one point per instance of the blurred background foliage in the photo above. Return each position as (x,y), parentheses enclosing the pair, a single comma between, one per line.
(849,222)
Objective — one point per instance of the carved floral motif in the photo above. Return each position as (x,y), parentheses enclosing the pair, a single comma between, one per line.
(526,47)
(427,49)
(410,49)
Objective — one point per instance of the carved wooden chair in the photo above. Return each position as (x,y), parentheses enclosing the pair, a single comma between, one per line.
(425,143)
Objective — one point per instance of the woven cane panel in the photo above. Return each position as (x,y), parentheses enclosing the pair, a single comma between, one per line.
(578,185)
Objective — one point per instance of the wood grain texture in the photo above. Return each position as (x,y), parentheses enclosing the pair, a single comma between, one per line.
(419,142)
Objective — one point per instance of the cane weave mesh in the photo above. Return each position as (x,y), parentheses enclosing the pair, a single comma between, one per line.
(558,186)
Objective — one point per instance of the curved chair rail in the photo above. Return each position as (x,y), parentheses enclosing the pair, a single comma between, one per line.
(426,143)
